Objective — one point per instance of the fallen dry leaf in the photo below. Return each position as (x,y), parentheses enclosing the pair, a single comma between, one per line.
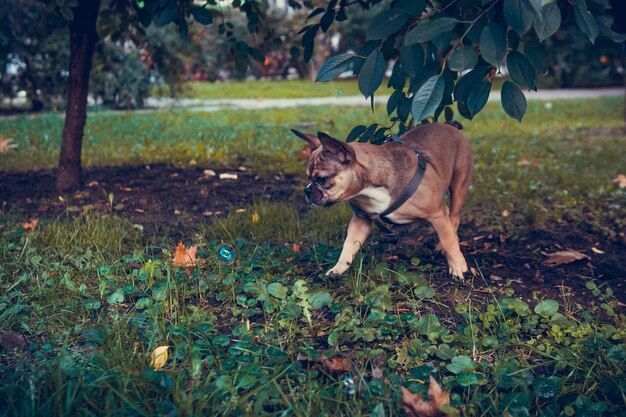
(11,341)
(598,251)
(6,145)
(524,162)
(296,247)
(255,217)
(620,180)
(338,364)
(30,225)
(186,257)
(227,176)
(158,357)
(416,406)
(564,257)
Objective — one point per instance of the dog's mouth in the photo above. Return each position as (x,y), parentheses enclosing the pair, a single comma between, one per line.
(319,204)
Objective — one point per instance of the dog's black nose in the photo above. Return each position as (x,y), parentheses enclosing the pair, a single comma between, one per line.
(308,191)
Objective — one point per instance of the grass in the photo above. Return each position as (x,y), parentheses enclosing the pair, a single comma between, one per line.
(94,295)
(270,89)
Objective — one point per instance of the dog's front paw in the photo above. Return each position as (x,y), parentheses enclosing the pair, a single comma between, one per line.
(457,269)
(338,269)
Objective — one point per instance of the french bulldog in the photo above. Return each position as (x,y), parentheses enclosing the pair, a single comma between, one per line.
(373,177)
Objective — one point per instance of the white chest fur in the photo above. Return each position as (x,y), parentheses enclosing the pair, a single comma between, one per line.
(375,200)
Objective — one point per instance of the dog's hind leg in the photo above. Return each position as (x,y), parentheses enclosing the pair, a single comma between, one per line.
(459,188)
(449,242)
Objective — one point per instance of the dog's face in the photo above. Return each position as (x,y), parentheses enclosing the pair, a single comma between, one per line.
(330,170)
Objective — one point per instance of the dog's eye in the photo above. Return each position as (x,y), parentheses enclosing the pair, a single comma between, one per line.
(321,180)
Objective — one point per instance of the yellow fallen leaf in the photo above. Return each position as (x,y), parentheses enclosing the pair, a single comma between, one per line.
(158,357)
(255,217)
(598,251)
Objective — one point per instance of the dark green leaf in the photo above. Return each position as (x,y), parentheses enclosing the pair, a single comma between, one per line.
(412,58)
(355,133)
(513,101)
(202,15)
(367,135)
(166,15)
(463,58)
(547,387)
(427,98)
(404,108)
(536,55)
(398,77)
(550,21)
(327,19)
(429,30)
(478,97)
(536,5)
(183,29)
(493,44)
(393,101)
(521,70)
(461,364)
(512,39)
(585,20)
(378,411)
(363,53)
(320,300)
(547,308)
(371,74)
(334,66)
(386,23)
(519,14)
(414,7)
(315,12)
(467,378)
(466,84)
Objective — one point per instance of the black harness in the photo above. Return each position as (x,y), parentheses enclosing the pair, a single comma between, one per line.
(381,219)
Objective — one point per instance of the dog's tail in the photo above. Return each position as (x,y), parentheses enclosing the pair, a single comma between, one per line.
(456,124)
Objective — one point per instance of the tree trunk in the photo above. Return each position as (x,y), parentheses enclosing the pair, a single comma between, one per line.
(83,38)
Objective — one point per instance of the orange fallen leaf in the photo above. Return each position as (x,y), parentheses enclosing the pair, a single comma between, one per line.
(296,247)
(524,162)
(30,225)
(620,180)
(564,257)
(416,406)
(6,145)
(186,257)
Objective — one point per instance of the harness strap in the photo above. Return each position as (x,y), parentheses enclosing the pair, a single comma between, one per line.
(381,219)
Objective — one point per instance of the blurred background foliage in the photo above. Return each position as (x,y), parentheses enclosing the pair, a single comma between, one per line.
(132,62)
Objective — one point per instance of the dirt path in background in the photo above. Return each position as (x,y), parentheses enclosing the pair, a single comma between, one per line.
(210,105)
(353,101)
(160,195)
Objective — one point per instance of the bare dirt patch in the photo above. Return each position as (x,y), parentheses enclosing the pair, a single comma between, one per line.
(165,195)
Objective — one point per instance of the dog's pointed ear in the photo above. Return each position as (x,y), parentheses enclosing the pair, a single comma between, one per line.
(310,139)
(341,150)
